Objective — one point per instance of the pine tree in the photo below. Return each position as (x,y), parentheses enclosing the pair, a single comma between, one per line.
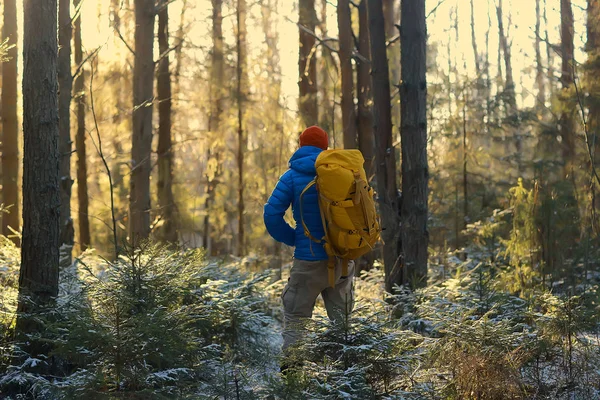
(385,156)
(413,132)
(345,53)
(166,201)
(82,186)
(307,63)
(65,84)
(10,124)
(141,144)
(38,278)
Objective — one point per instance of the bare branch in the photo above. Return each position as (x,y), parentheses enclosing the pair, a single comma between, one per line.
(98,147)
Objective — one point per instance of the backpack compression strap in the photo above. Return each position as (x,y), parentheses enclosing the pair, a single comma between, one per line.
(306,231)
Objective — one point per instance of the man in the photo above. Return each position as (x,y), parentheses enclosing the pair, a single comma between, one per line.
(308,276)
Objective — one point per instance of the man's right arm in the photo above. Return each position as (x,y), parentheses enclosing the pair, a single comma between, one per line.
(279,201)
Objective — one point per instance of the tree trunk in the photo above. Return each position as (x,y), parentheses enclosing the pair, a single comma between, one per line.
(10,125)
(549,54)
(363,80)
(539,77)
(166,201)
(389,18)
(567,125)
(38,278)
(325,86)
(241,94)
(474,44)
(309,111)
(593,74)
(214,121)
(82,186)
(413,132)
(509,84)
(141,143)
(385,156)
(65,85)
(345,54)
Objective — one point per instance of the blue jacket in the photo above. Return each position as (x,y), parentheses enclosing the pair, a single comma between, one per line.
(286,193)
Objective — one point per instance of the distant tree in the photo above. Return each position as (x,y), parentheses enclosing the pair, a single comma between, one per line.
(505,47)
(413,132)
(166,201)
(10,124)
(567,123)
(326,79)
(141,144)
(38,278)
(345,54)
(217,83)
(385,156)
(539,75)
(82,184)
(65,85)
(307,63)
(241,73)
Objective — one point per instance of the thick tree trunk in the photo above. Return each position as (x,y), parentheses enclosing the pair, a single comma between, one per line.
(10,125)
(509,84)
(363,80)
(567,124)
(385,156)
(345,54)
(65,85)
(141,143)
(241,97)
(38,278)
(307,18)
(166,201)
(413,132)
(539,76)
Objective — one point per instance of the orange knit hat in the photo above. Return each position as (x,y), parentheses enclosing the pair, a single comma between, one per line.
(314,136)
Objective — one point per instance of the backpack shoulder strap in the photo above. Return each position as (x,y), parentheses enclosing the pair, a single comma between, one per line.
(306,231)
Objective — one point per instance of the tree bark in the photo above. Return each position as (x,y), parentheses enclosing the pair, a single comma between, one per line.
(413,133)
(345,54)
(241,97)
(166,201)
(363,80)
(309,110)
(82,186)
(38,278)
(539,76)
(10,125)
(143,77)
(65,85)
(567,125)
(385,156)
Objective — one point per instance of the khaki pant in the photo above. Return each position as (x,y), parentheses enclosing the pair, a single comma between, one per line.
(307,280)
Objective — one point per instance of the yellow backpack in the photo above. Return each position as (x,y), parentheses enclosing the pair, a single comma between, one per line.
(348,213)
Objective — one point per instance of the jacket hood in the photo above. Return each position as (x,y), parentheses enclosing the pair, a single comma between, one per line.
(303,160)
